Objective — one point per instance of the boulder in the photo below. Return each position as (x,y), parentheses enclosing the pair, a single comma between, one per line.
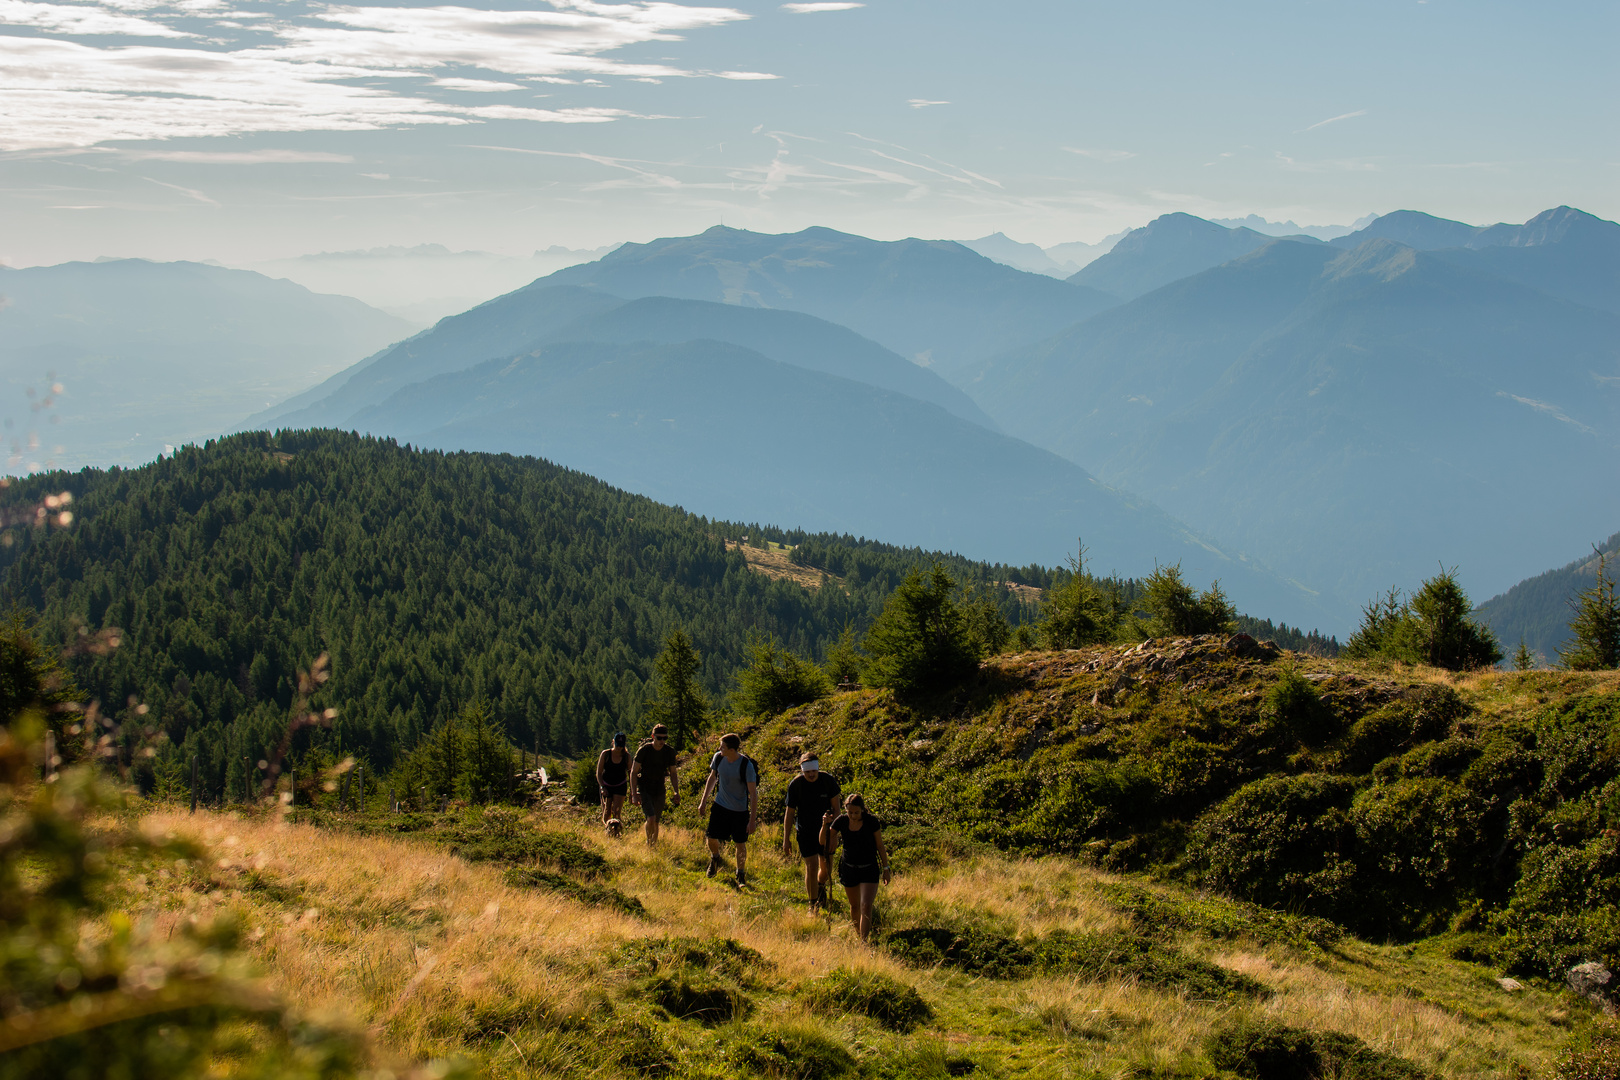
(1245,647)
(1593,982)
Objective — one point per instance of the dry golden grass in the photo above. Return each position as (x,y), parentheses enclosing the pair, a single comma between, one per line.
(437,956)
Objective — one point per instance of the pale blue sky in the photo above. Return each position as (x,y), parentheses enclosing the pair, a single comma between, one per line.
(240,131)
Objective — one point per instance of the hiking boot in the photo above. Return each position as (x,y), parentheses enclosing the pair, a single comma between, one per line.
(742,879)
(714,865)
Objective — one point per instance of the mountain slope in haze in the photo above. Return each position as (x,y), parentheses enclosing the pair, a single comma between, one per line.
(540,314)
(1349,417)
(727,432)
(165,353)
(1537,610)
(933,302)
(1167,249)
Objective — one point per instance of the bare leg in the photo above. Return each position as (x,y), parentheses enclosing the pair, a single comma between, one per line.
(853,894)
(607,808)
(868,891)
(813,869)
(826,872)
(742,859)
(616,810)
(714,846)
(652,827)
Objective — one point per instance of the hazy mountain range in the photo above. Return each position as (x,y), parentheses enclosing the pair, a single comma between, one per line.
(1537,610)
(424,283)
(1348,413)
(155,354)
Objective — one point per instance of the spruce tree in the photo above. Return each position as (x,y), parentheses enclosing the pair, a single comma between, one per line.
(1522,660)
(919,644)
(1439,629)
(1595,629)
(679,703)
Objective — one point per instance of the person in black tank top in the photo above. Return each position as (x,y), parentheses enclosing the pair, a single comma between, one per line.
(613,777)
(865,861)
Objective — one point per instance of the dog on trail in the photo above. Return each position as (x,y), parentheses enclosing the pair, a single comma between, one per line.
(615,827)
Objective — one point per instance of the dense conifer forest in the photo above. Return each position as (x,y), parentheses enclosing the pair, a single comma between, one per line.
(432,580)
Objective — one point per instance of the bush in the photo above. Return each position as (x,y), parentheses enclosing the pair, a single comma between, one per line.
(722,955)
(1282,842)
(582,784)
(1294,703)
(894,1004)
(701,979)
(554,849)
(1593,1056)
(1418,843)
(1082,611)
(775,680)
(970,949)
(1266,1050)
(1132,956)
(1080,801)
(585,892)
(695,995)
(789,1052)
(1435,627)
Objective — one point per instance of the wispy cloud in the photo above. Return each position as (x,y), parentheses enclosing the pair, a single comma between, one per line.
(811,9)
(923,103)
(324,67)
(1336,119)
(1111,157)
(1328,166)
(240,157)
(190,193)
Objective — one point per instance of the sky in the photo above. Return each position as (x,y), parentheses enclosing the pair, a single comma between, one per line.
(247,130)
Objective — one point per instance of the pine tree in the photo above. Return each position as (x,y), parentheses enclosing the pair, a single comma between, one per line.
(1439,629)
(776,680)
(844,658)
(679,703)
(1595,629)
(1175,609)
(1522,660)
(918,643)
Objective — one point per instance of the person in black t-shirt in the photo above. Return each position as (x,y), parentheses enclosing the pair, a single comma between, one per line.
(812,801)
(654,760)
(613,777)
(865,861)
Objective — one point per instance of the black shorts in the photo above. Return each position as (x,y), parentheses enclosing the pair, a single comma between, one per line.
(850,874)
(809,843)
(727,825)
(616,789)
(652,802)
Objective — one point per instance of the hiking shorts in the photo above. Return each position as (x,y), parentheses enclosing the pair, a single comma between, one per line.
(852,874)
(615,789)
(809,843)
(727,825)
(652,802)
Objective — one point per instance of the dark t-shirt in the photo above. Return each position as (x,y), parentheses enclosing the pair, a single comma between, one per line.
(615,772)
(810,801)
(655,765)
(860,845)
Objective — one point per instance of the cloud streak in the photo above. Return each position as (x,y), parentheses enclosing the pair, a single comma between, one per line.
(812,9)
(1336,119)
(196,69)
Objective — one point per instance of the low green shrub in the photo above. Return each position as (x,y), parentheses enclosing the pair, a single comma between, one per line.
(973,950)
(1219,917)
(925,1060)
(586,892)
(1294,703)
(1102,956)
(791,1051)
(894,1004)
(1593,1055)
(554,849)
(695,995)
(582,783)
(1266,1050)
(722,955)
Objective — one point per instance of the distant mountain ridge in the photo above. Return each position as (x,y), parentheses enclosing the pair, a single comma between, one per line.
(1334,411)
(1537,610)
(1168,249)
(154,354)
(932,301)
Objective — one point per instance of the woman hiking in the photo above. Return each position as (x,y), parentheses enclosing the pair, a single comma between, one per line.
(865,861)
(613,777)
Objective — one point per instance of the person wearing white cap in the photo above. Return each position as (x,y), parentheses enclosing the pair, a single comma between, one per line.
(812,799)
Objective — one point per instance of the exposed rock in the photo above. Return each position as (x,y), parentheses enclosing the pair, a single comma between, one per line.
(1512,986)
(1592,981)
(1245,647)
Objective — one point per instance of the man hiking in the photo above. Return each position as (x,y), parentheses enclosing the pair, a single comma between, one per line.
(613,777)
(811,797)
(865,861)
(654,760)
(734,782)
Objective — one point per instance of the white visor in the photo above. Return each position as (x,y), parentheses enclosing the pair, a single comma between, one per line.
(812,765)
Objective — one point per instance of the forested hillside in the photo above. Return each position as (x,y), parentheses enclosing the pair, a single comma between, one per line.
(432,580)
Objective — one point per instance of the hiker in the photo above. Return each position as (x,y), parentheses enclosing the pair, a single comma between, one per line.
(734,782)
(654,760)
(812,801)
(865,861)
(613,776)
